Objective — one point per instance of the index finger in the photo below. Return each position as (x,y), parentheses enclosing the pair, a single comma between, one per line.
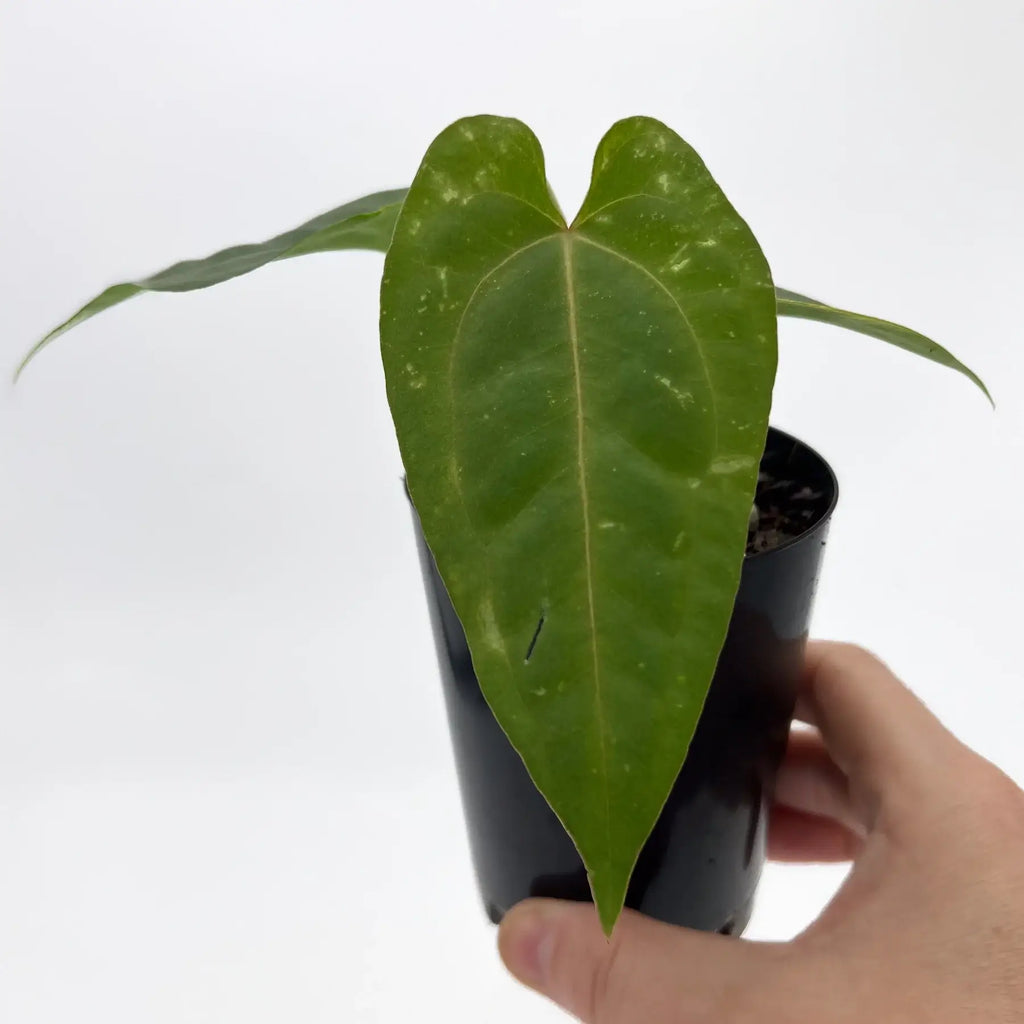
(891,747)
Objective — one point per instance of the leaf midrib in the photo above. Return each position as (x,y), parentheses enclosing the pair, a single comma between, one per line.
(574,347)
(567,237)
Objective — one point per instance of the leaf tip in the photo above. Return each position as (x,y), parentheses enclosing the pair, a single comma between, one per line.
(975,379)
(20,368)
(33,352)
(609,898)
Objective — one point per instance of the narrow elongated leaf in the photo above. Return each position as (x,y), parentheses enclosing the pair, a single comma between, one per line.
(796,305)
(581,411)
(365,223)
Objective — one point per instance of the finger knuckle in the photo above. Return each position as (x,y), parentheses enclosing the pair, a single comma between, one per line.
(855,656)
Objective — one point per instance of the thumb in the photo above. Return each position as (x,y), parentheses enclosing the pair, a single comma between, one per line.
(648,971)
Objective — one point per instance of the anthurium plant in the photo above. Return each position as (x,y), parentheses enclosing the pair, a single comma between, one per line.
(581,408)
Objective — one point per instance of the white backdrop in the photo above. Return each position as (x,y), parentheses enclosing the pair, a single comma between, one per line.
(226,792)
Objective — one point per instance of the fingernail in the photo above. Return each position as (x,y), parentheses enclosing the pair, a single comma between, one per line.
(526,942)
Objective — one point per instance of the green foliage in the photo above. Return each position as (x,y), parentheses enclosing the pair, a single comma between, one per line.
(581,410)
(800,306)
(365,223)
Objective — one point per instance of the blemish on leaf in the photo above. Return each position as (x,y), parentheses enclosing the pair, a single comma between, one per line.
(731,463)
(533,642)
(489,626)
(684,398)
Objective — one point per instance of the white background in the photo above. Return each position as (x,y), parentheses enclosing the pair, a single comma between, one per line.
(226,792)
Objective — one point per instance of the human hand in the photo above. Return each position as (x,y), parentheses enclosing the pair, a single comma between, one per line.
(927,929)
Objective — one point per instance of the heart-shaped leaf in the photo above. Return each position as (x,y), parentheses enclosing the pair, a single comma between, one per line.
(364,223)
(581,412)
(794,304)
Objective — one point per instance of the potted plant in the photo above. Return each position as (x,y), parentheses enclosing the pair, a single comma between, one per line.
(609,530)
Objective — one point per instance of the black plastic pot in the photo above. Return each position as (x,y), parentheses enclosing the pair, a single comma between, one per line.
(701,865)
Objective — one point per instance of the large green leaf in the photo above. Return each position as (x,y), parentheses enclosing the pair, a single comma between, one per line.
(364,223)
(581,411)
(796,305)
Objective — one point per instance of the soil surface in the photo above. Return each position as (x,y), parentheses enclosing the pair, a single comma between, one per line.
(785,509)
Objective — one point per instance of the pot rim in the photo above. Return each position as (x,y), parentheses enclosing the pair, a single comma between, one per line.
(822,523)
